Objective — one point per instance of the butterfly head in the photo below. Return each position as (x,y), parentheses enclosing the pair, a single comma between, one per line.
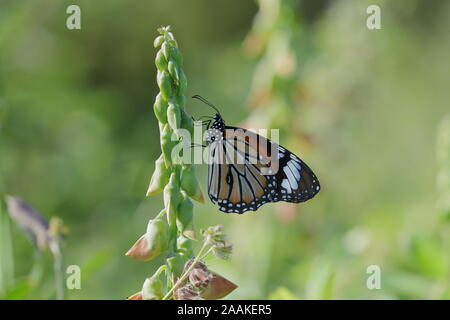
(218,123)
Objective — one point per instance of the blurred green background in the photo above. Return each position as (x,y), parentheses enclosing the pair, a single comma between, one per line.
(368,110)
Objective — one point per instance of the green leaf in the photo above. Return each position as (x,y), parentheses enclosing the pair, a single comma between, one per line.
(429,256)
(20,291)
(282,293)
(320,282)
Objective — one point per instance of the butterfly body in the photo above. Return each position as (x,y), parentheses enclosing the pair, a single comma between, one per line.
(247,170)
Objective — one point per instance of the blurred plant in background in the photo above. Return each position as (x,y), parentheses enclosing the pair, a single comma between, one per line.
(45,236)
(276,39)
(6,254)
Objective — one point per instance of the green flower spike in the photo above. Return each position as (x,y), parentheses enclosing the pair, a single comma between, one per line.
(179,185)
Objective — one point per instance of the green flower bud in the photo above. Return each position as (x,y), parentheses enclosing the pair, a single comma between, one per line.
(152,289)
(160,108)
(184,216)
(158,41)
(160,61)
(152,243)
(173,71)
(164,30)
(165,84)
(172,51)
(174,116)
(167,144)
(187,122)
(165,48)
(172,198)
(176,263)
(182,82)
(214,235)
(222,250)
(185,244)
(171,39)
(190,184)
(181,100)
(160,177)
(173,43)
(176,55)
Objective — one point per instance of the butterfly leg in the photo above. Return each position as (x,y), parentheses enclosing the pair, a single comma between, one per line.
(198,145)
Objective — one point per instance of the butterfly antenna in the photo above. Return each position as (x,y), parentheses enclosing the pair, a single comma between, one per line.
(206,102)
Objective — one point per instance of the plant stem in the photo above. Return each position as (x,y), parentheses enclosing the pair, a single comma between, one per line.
(160,214)
(58,269)
(160,269)
(207,253)
(188,271)
(6,252)
(36,272)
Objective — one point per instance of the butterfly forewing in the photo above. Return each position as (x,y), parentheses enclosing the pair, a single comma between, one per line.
(297,182)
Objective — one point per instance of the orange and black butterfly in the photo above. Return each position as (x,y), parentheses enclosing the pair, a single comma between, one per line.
(247,170)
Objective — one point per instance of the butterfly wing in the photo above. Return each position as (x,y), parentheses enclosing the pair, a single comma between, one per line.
(296,181)
(236,187)
(247,170)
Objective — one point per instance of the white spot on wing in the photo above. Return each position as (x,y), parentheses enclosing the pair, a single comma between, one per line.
(297,164)
(291,178)
(285,184)
(294,169)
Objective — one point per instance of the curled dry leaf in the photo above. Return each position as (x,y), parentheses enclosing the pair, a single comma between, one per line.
(187,293)
(200,277)
(219,287)
(152,243)
(136,296)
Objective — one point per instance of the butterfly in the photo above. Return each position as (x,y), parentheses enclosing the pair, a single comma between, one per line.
(247,170)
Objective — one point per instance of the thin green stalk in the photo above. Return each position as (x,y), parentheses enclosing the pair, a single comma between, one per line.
(6,247)
(199,256)
(58,269)
(37,269)
(160,214)
(206,253)
(160,270)
(6,252)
